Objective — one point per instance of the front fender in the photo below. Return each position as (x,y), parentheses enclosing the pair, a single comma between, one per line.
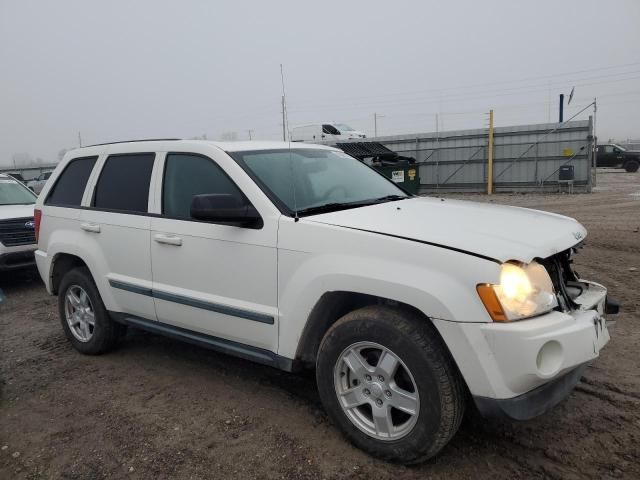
(443,290)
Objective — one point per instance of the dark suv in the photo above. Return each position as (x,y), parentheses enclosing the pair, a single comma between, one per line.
(612,155)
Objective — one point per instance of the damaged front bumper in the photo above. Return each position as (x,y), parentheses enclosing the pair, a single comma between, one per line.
(547,356)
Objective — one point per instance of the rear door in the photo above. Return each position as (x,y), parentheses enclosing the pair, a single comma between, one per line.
(116,232)
(215,279)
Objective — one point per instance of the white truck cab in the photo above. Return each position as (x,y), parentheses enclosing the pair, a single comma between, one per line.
(300,256)
(325,132)
(17,228)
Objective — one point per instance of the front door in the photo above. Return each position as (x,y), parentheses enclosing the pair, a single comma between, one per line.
(218,280)
(607,156)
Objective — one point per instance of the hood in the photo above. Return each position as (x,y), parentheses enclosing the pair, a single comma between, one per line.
(7,212)
(493,231)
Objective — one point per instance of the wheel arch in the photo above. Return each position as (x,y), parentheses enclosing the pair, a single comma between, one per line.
(60,265)
(329,309)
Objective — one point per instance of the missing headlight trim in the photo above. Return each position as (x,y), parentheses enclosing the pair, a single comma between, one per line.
(563,277)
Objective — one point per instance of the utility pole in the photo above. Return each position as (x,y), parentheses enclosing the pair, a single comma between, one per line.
(249,132)
(490,156)
(376,116)
(561,110)
(549,104)
(79,138)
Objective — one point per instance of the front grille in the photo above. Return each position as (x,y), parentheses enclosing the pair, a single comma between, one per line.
(15,232)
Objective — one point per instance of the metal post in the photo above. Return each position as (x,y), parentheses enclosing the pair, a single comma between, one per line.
(561,110)
(79,139)
(595,144)
(437,153)
(490,156)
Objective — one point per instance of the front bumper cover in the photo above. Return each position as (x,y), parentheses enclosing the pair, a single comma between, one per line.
(15,260)
(533,403)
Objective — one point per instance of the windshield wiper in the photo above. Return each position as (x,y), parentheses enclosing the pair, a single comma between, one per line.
(327,207)
(389,198)
(335,206)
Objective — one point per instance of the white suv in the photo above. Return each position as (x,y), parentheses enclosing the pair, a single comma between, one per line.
(17,227)
(301,256)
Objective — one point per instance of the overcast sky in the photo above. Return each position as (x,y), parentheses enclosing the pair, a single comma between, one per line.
(117,70)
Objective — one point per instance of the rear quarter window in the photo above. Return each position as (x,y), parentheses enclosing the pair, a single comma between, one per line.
(124,183)
(69,187)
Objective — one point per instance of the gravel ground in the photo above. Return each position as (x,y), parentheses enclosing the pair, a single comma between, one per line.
(156,408)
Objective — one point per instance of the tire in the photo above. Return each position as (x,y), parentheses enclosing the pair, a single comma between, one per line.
(423,360)
(632,166)
(105,333)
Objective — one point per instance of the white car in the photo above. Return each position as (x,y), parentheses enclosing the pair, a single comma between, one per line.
(38,184)
(17,229)
(325,132)
(305,257)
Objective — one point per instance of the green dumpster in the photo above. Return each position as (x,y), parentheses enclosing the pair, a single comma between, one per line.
(405,175)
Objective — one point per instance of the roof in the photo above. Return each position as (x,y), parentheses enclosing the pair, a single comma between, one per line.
(165,144)
(264,145)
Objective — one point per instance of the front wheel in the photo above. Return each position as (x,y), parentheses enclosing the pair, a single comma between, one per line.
(632,166)
(387,380)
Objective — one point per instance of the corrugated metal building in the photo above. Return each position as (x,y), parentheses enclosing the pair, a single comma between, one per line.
(526,158)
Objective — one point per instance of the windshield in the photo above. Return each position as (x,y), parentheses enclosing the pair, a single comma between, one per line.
(13,193)
(323,179)
(622,149)
(342,127)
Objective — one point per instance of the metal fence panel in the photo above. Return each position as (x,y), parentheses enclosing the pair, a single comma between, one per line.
(526,157)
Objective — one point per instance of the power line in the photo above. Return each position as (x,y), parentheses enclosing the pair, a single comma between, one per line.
(497,82)
(469,96)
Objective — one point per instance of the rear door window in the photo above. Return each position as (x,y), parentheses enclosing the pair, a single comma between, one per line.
(69,188)
(124,183)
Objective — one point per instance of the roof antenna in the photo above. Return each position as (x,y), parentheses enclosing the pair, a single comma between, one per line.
(285,130)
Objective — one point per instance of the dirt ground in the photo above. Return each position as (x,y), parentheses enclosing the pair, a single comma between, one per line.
(156,408)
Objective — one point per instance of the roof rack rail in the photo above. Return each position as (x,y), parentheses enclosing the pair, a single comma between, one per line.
(131,141)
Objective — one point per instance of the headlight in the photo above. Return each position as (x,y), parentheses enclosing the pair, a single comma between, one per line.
(524,291)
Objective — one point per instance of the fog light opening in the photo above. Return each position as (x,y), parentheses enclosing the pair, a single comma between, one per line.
(549,359)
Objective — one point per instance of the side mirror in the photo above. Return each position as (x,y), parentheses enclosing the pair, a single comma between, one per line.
(225,209)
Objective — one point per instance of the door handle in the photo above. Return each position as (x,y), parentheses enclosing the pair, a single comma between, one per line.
(90,227)
(168,240)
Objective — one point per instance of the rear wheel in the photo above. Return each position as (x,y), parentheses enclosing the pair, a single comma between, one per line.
(85,321)
(386,379)
(632,166)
